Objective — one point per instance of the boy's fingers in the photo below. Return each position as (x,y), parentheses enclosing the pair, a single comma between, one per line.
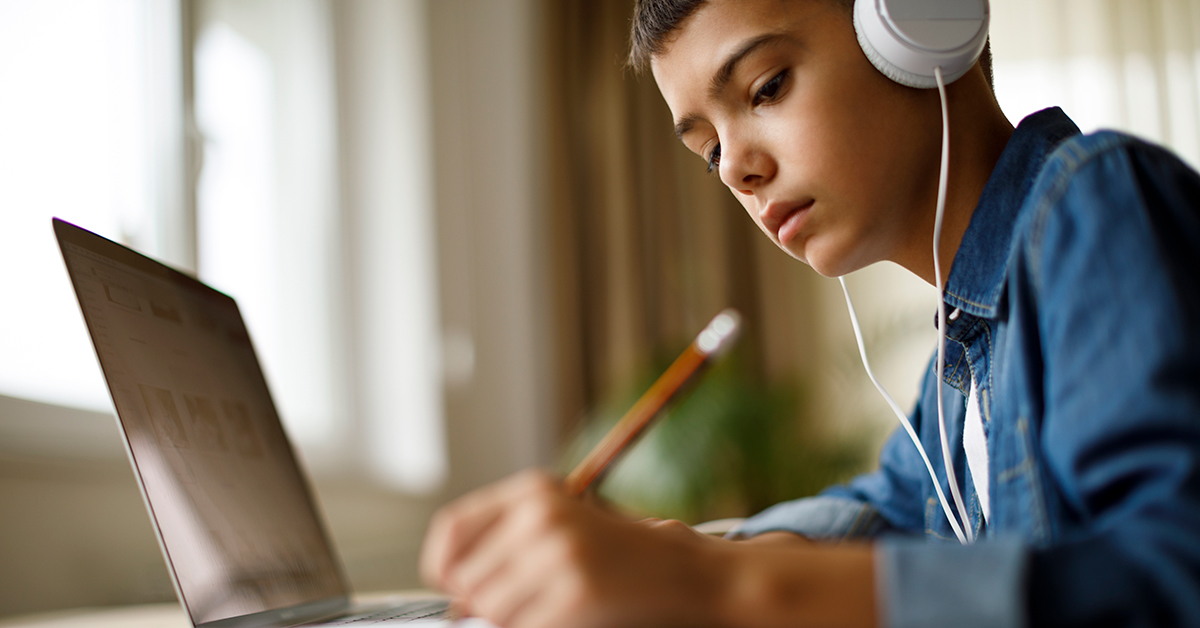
(528,581)
(455,529)
(507,606)
(487,557)
(547,608)
(451,535)
(528,524)
(507,591)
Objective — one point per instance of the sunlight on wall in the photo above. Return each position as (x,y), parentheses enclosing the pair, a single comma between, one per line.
(389,143)
(316,214)
(236,201)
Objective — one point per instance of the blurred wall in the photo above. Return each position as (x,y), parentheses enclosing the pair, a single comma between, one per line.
(491,169)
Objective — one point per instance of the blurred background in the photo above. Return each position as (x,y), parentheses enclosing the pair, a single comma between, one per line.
(464,238)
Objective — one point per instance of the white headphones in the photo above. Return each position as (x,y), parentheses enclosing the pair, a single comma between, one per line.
(925,44)
(907,39)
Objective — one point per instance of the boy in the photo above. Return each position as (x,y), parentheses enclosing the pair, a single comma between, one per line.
(1073,341)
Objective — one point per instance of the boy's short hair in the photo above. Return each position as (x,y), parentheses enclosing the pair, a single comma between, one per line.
(654,20)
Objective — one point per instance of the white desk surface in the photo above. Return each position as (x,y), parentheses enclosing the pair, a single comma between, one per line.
(147,616)
(158,616)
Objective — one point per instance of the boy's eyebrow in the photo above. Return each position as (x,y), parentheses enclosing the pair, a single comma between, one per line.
(725,73)
(685,125)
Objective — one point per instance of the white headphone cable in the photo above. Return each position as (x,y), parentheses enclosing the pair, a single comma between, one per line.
(912,434)
(964,533)
(943,184)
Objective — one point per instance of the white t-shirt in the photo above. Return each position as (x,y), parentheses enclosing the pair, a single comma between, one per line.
(975,444)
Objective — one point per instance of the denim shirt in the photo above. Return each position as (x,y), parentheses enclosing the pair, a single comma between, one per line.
(1078,287)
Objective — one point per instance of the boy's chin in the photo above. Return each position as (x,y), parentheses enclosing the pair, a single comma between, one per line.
(827,263)
(795,253)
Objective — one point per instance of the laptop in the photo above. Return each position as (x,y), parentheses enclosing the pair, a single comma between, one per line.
(232,509)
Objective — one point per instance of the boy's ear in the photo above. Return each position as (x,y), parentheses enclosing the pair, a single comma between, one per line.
(907,39)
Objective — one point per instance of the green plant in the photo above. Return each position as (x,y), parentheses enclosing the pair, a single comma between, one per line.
(732,447)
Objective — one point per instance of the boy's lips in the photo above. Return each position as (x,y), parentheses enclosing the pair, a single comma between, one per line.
(783,220)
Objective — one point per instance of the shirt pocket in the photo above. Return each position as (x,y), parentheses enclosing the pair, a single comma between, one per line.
(1020,502)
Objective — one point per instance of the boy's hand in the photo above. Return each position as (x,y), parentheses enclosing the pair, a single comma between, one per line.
(523,554)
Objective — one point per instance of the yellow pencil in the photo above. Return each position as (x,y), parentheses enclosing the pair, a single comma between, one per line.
(713,342)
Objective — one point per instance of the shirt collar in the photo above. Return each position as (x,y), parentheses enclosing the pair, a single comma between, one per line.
(977,277)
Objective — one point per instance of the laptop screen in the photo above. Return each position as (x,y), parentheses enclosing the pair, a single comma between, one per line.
(234,514)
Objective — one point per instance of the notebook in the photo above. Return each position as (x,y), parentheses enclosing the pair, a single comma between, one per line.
(232,508)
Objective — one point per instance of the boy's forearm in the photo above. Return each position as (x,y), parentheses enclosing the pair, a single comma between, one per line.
(799,583)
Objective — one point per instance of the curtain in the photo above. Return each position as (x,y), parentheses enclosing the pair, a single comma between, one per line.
(647,246)
(1123,64)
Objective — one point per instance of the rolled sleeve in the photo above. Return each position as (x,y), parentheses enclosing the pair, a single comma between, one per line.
(822,518)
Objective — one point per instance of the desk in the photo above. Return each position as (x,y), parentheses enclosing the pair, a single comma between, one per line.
(147,616)
(155,616)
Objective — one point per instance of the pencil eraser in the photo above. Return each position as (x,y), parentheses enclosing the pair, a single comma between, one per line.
(720,334)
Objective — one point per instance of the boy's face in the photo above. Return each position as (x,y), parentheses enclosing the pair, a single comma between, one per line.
(836,163)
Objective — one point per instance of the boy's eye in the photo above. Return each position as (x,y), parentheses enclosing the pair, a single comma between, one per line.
(770,89)
(714,158)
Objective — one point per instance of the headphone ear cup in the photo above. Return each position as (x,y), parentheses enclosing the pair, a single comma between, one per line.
(879,61)
(907,39)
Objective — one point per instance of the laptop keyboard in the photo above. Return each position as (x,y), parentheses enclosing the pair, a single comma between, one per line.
(409,611)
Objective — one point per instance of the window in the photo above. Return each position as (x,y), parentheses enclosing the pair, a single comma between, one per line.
(313,202)
(267,208)
(84,135)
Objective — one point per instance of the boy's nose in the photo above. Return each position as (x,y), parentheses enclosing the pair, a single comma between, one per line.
(746,169)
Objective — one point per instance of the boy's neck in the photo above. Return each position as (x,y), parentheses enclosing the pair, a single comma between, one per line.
(979,131)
